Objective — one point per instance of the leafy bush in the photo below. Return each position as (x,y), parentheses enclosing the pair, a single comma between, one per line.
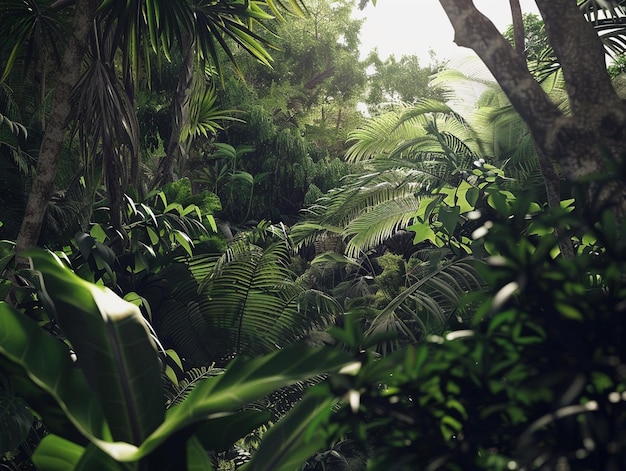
(103,383)
(534,380)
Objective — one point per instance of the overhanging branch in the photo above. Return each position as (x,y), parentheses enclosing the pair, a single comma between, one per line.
(474,30)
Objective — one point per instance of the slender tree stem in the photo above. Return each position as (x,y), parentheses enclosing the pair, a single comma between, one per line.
(50,151)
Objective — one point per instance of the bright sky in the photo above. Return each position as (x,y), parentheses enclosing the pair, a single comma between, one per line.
(413,27)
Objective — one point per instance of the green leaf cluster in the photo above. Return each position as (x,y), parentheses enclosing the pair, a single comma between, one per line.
(114,398)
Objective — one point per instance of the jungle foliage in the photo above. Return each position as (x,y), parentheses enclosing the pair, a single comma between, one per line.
(248,273)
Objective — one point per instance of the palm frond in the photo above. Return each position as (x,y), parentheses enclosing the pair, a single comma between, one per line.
(380,134)
(427,304)
(205,116)
(609,21)
(245,301)
(367,211)
(32,32)
(373,227)
(294,7)
(345,204)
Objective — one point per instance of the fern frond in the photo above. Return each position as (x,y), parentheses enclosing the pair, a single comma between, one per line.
(176,393)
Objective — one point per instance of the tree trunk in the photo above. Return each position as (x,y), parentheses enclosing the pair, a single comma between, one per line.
(580,142)
(518,27)
(180,117)
(56,125)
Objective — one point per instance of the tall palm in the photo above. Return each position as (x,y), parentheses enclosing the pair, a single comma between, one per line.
(126,34)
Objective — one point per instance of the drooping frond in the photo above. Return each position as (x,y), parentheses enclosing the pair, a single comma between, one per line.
(373,227)
(427,304)
(380,135)
(32,33)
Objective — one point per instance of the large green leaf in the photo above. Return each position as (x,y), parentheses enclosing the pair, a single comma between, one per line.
(218,397)
(296,437)
(243,382)
(220,433)
(48,364)
(114,349)
(114,400)
(197,457)
(57,454)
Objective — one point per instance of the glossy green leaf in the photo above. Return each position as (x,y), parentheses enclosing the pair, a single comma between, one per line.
(449,217)
(220,433)
(184,240)
(47,363)
(197,457)
(57,454)
(422,232)
(154,237)
(94,458)
(114,348)
(243,381)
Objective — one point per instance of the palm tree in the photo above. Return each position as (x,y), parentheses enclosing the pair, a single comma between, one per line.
(125,35)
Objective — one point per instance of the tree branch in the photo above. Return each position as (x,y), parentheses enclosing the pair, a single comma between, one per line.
(586,78)
(476,31)
(518,27)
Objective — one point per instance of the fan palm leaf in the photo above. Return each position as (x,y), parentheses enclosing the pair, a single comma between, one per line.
(245,301)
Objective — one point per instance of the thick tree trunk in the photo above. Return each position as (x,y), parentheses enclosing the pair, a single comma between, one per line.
(579,142)
(56,125)
(180,118)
